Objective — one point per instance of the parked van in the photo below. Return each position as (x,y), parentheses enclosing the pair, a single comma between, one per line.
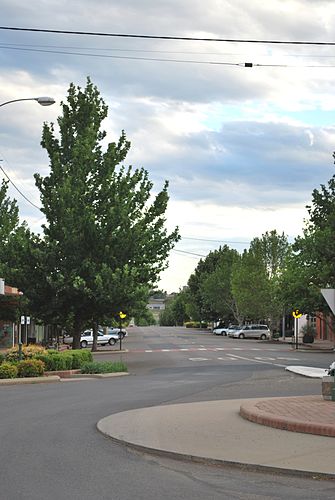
(252,332)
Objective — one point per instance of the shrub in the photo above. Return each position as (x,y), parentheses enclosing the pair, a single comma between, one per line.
(30,368)
(67,360)
(55,362)
(309,333)
(104,367)
(8,370)
(192,324)
(28,352)
(79,357)
(2,357)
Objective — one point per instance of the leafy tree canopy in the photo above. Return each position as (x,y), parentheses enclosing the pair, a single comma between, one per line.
(104,242)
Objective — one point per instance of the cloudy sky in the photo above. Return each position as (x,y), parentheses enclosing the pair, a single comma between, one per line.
(242,147)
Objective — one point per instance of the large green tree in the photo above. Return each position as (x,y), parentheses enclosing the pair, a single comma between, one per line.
(272,250)
(104,242)
(250,287)
(175,312)
(13,236)
(311,264)
(316,247)
(216,287)
(9,215)
(209,286)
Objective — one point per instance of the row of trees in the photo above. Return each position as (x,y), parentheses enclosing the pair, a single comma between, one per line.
(269,279)
(235,287)
(104,241)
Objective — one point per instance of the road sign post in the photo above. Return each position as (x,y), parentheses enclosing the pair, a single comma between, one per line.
(121,316)
(296,315)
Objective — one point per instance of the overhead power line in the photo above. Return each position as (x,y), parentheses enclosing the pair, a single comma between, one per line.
(17,189)
(165,59)
(165,37)
(189,253)
(215,241)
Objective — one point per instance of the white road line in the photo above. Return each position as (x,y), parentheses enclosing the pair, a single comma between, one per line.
(258,361)
(198,359)
(289,359)
(165,350)
(148,351)
(265,358)
(201,349)
(219,348)
(184,349)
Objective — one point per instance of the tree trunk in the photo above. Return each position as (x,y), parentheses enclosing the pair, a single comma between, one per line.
(95,336)
(77,329)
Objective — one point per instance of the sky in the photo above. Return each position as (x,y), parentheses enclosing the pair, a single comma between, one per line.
(242,147)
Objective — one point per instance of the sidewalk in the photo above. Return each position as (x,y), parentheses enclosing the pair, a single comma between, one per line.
(228,432)
(317,345)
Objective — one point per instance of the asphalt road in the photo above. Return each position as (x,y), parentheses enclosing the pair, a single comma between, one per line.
(50,448)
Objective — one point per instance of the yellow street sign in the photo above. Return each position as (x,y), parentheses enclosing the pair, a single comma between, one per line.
(122,315)
(296,313)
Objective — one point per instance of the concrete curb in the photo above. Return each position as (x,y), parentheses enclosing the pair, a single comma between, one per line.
(98,375)
(56,378)
(112,351)
(30,380)
(308,371)
(260,413)
(182,457)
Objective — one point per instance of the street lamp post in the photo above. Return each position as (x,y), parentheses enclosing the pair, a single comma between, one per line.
(43,101)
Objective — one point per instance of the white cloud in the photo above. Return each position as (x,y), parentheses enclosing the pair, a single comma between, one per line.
(242,147)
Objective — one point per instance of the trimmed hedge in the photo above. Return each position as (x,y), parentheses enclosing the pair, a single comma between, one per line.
(8,370)
(30,368)
(67,360)
(55,361)
(80,357)
(196,324)
(104,367)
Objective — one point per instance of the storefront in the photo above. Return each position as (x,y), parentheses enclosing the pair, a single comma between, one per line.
(9,302)
(7,334)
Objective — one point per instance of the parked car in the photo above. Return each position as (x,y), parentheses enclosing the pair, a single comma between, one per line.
(232,329)
(220,331)
(114,330)
(86,338)
(251,331)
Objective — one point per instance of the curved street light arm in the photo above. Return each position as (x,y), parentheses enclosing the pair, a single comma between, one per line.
(43,101)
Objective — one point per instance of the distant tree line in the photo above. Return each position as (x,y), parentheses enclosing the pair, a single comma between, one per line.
(269,279)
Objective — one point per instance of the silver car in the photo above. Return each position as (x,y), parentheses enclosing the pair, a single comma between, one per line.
(261,332)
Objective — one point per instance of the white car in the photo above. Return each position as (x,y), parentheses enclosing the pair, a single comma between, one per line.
(220,331)
(261,332)
(86,338)
(114,330)
(225,330)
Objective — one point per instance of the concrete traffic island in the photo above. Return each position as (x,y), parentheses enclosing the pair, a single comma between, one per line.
(214,432)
